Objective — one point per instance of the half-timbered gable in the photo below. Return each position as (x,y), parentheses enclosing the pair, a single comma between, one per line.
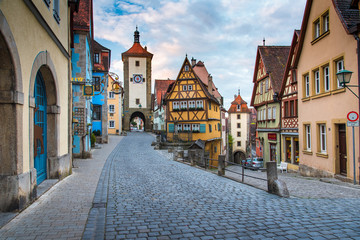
(193,110)
(268,74)
(289,107)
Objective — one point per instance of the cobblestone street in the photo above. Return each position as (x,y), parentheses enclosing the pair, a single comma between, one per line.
(142,194)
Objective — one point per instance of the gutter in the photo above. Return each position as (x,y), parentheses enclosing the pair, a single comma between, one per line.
(358,70)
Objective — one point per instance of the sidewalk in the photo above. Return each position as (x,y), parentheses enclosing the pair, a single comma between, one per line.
(62,211)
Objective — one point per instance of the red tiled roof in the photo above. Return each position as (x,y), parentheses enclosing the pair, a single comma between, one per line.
(161,87)
(105,57)
(238,101)
(83,18)
(137,51)
(201,71)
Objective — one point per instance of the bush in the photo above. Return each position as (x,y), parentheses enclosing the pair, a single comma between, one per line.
(93,139)
(97,132)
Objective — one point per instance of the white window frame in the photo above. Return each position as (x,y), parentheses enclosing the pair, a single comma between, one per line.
(339,67)
(322,136)
(192,104)
(317,81)
(317,29)
(111,95)
(269,113)
(111,108)
(183,104)
(184,87)
(186,127)
(112,122)
(179,127)
(266,85)
(326,22)
(274,112)
(326,79)
(199,104)
(308,137)
(196,127)
(190,88)
(307,85)
(175,105)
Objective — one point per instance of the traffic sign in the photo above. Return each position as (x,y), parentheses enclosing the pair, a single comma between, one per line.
(352,124)
(353,116)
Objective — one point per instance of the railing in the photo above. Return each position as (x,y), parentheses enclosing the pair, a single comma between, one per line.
(242,174)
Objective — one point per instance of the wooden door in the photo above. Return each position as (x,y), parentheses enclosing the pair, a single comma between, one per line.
(342,149)
(273,152)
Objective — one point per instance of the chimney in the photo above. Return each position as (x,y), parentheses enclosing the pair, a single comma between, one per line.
(145,48)
(210,84)
(193,61)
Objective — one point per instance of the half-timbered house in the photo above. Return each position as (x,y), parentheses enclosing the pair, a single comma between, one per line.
(289,107)
(193,112)
(268,75)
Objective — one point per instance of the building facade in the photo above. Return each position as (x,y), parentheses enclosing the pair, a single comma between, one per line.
(268,74)
(328,44)
(239,116)
(289,107)
(101,60)
(137,84)
(81,76)
(160,89)
(34,97)
(193,112)
(115,106)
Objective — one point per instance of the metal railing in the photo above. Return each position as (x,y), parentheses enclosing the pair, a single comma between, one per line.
(242,173)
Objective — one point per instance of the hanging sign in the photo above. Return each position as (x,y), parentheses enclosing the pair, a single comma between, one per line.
(88,90)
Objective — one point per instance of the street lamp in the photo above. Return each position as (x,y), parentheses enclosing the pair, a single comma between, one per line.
(344,77)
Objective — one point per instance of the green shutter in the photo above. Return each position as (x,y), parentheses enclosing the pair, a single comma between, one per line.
(203,128)
(171,128)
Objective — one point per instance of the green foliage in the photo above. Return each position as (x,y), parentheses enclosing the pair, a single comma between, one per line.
(93,139)
(133,123)
(230,140)
(97,132)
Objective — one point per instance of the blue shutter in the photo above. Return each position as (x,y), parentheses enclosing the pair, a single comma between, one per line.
(171,128)
(202,128)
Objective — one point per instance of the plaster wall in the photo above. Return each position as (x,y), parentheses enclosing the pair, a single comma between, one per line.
(137,90)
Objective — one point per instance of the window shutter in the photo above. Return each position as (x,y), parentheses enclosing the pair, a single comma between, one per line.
(202,128)
(171,128)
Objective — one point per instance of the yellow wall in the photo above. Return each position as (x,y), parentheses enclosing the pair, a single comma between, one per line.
(31,39)
(117,116)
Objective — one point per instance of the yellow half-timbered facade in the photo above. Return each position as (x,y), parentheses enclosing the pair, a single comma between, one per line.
(193,111)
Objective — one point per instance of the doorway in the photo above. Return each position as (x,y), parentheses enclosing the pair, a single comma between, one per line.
(342,149)
(273,152)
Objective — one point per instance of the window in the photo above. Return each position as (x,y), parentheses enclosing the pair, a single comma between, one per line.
(325,18)
(184,87)
(238,116)
(210,129)
(186,68)
(199,104)
(47,2)
(239,125)
(183,105)
(307,85)
(196,127)
(96,58)
(261,87)
(293,76)
(239,143)
(192,104)
(56,11)
(274,112)
(175,105)
(326,79)
(322,136)
(96,112)
(317,81)
(219,127)
(238,107)
(111,95)
(317,29)
(96,83)
(137,63)
(215,149)
(269,113)
(111,108)
(111,124)
(308,137)
(209,105)
(179,127)
(137,101)
(267,85)
(189,87)
(239,134)
(286,109)
(292,109)
(339,67)
(186,127)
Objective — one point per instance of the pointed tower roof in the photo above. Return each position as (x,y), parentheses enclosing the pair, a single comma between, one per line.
(137,50)
(238,101)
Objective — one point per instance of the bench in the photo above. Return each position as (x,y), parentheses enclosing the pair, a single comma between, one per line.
(282,167)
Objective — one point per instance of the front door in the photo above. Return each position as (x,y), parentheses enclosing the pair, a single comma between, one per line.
(342,149)
(273,152)
(40,155)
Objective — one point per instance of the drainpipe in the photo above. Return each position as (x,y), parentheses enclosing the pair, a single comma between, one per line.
(358,73)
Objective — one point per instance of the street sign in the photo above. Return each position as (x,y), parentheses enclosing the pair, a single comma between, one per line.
(353,124)
(353,116)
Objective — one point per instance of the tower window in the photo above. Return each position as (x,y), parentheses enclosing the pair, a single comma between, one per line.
(137,63)
(137,101)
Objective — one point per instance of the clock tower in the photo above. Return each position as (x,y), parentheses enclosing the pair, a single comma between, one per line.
(137,84)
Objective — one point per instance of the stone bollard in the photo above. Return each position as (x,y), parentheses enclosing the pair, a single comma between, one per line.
(181,155)
(175,155)
(192,154)
(221,165)
(275,186)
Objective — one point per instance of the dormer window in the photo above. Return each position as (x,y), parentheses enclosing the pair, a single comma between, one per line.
(186,68)
(238,107)
(321,26)
(96,58)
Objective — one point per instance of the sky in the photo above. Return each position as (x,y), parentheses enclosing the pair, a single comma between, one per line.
(224,34)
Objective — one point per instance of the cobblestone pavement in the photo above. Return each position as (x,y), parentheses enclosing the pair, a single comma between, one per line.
(62,212)
(144,195)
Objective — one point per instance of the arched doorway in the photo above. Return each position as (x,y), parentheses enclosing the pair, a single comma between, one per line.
(40,129)
(141,123)
(239,156)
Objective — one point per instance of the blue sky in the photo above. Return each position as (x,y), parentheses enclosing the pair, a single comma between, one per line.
(224,34)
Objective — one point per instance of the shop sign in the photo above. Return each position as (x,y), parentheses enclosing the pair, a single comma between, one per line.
(272,136)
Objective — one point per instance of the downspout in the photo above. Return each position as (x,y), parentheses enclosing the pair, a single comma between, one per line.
(358,73)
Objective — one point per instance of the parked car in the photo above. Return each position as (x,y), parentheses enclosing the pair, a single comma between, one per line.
(257,163)
(246,163)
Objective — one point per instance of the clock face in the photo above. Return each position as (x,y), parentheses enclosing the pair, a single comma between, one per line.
(137,78)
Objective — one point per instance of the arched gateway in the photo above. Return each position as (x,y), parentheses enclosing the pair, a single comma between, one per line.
(137,83)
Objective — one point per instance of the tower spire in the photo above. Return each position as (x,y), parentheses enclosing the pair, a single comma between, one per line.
(239,92)
(136,35)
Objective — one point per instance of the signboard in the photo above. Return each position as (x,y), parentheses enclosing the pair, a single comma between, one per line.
(79,79)
(88,90)
(353,116)
(272,136)
(352,124)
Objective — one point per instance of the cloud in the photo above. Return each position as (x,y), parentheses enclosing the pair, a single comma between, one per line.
(224,34)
